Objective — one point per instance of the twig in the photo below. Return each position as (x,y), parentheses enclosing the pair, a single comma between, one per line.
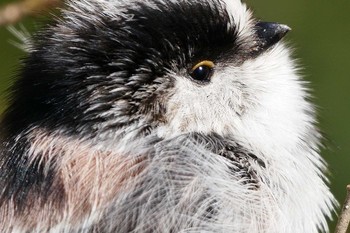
(14,12)
(344,218)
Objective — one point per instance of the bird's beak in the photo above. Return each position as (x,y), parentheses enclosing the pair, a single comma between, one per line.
(270,33)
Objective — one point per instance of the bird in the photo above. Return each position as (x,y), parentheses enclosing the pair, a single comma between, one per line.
(161,116)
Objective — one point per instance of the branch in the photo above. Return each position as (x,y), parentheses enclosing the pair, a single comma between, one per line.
(344,218)
(14,12)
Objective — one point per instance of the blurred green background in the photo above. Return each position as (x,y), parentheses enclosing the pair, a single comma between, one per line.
(321,38)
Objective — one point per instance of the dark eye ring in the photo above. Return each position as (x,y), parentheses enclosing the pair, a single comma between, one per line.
(202,71)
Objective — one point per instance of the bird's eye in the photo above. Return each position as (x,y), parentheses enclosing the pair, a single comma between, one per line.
(202,71)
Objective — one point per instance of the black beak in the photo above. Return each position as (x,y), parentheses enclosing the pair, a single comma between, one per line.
(270,33)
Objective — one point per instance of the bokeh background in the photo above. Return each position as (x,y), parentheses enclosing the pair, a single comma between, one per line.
(321,38)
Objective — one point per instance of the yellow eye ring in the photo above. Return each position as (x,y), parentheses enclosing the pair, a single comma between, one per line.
(206,63)
(202,71)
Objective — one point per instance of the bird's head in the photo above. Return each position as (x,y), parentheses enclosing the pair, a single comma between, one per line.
(175,66)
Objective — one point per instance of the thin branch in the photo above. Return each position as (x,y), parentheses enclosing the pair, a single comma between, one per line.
(14,12)
(344,218)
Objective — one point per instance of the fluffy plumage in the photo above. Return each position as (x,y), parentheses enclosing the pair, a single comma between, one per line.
(108,132)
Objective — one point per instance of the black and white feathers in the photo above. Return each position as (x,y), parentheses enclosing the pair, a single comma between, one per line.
(161,116)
